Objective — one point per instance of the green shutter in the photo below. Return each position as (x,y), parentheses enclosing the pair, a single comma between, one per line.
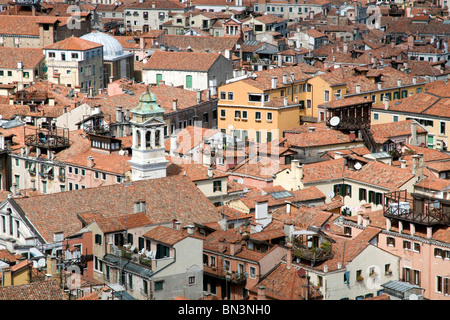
(361,194)
(188,81)
(158,78)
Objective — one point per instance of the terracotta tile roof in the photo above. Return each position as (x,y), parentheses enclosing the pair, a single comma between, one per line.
(285,284)
(190,137)
(303,195)
(257,167)
(74,44)
(7,256)
(165,235)
(381,175)
(202,44)
(195,172)
(194,61)
(159,4)
(43,290)
(29,56)
(26,25)
(428,154)
(263,78)
(166,198)
(345,102)
(317,138)
(382,132)
(433,183)
(322,171)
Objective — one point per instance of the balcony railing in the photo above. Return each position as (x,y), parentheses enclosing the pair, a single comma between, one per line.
(232,276)
(313,253)
(417,208)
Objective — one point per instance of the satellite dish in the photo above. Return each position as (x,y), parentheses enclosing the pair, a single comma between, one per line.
(245,189)
(357,166)
(41,263)
(331,194)
(327,227)
(230,127)
(335,121)
(301,272)
(35,264)
(436,204)
(413,297)
(422,144)
(352,136)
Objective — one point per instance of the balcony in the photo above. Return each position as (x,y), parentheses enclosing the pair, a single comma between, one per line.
(221,273)
(312,246)
(47,138)
(417,208)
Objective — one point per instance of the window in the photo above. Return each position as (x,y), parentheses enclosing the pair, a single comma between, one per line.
(9,73)
(230,96)
(212,261)
(416,247)
(258,136)
(145,287)
(191,280)
(269,116)
(223,95)
(258,116)
(244,115)
(395,118)
(103,176)
(362,194)
(226,265)
(188,81)
(159,285)
(237,114)
(326,95)
(223,113)
(406,245)
(375,116)
(254,97)
(442,128)
(51,54)
(98,239)
(74,55)
(252,273)
(217,186)
(390,241)
(269,136)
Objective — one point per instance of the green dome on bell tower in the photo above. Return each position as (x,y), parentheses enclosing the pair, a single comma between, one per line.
(147,108)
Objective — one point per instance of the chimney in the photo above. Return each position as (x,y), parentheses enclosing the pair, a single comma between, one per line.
(365,221)
(210,172)
(119,114)
(199,96)
(176,224)
(261,293)
(33,184)
(414,133)
(274,82)
(386,102)
(90,162)
(417,167)
(14,189)
(7,277)
(51,265)
(429,232)
(399,82)
(284,78)
(173,144)
(174,104)
(403,164)
(345,49)
(261,210)
(289,255)
(358,88)
(235,246)
(190,229)
(388,224)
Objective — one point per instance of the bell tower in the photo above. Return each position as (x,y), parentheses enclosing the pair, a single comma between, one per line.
(148,159)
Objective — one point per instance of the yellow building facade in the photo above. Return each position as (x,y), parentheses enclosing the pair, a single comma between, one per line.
(260,107)
(377,85)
